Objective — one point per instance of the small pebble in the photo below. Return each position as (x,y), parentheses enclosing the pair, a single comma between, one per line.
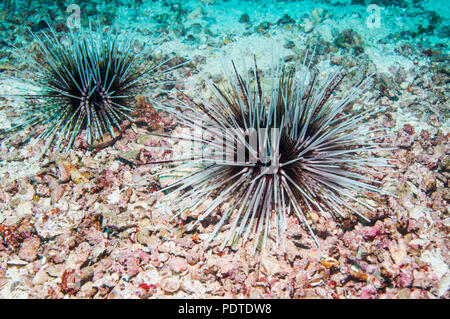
(29,248)
(178,265)
(244,18)
(170,285)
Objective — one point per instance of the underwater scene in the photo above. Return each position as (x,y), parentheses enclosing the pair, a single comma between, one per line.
(224,149)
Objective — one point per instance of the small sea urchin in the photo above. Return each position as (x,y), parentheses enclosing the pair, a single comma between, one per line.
(264,154)
(89,81)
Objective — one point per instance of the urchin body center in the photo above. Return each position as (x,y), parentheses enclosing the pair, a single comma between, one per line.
(271,165)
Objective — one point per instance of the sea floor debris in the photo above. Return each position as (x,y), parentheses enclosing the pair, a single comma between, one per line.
(85,225)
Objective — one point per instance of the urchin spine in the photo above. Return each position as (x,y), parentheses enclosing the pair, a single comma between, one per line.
(315,161)
(88,82)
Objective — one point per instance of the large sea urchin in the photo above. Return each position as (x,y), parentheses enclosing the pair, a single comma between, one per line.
(263,154)
(89,81)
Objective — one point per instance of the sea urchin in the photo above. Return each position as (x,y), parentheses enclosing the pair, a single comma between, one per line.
(264,154)
(89,81)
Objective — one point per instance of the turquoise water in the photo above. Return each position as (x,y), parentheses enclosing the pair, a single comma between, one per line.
(388,35)
(196,28)
(212,22)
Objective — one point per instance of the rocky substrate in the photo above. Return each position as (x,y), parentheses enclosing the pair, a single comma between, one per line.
(88,225)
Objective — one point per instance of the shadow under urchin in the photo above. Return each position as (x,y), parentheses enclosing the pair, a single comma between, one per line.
(86,80)
(319,159)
